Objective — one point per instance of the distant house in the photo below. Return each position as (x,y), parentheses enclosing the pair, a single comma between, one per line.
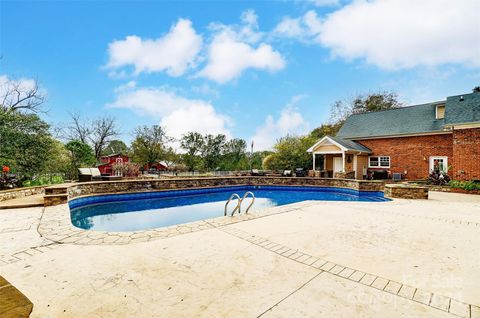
(408,141)
(107,162)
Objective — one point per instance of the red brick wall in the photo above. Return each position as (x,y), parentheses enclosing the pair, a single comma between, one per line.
(411,154)
(466,154)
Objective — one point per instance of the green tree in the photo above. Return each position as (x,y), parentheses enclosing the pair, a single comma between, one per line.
(290,153)
(258,157)
(234,155)
(81,155)
(325,130)
(212,149)
(60,160)
(192,143)
(25,143)
(115,147)
(171,157)
(150,144)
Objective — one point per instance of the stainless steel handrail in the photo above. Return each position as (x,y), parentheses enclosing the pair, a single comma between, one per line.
(228,201)
(251,203)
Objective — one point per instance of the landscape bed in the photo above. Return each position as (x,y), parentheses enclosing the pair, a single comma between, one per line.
(148,210)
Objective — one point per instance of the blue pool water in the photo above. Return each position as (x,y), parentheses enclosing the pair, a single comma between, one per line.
(149,210)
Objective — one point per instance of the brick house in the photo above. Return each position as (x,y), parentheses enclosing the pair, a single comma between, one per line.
(408,142)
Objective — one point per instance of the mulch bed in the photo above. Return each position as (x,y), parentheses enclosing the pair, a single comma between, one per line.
(456,190)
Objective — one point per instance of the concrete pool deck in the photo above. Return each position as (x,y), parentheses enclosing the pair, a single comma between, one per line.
(343,259)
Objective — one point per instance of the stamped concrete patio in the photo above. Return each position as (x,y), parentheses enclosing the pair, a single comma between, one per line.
(403,258)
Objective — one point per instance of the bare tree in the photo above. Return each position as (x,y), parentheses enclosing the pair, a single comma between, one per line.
(78,129)
(102,132)
(18,95)
(97,133)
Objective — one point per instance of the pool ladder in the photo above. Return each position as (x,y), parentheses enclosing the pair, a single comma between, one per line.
(239,204)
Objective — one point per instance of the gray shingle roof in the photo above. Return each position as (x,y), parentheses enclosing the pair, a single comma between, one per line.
(466,111)
(400,121)
(351,145)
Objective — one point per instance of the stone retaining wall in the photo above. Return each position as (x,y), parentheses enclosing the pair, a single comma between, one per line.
(90,188)
(21,192)
(402,191)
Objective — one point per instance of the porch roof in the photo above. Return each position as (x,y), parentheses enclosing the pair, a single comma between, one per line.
(344,144)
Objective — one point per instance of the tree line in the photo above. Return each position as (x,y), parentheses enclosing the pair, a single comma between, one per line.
(30,147)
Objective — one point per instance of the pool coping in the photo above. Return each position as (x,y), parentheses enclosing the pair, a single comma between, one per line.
(56,226)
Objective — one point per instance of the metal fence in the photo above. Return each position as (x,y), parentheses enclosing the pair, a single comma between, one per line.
(198,173)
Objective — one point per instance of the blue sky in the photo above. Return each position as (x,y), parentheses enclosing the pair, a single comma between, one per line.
(249,69)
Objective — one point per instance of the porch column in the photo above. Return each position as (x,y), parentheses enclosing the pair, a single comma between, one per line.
(343,161)
(313,162)
(355,168)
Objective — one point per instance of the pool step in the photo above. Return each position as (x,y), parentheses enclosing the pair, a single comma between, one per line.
(55,195)
(55,199)
(56,190)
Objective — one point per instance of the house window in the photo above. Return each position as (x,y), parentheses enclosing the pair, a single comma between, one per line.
(379,162)
(440,111)
(439,163)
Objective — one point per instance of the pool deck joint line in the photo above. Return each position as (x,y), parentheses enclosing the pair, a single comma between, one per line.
(448,304)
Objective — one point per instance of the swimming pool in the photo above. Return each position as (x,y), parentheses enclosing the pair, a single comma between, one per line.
(149,210)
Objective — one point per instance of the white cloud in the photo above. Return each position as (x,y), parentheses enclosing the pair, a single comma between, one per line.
(305,28)
(290,122)
(177,114)
(199,116)
(290,27)
(394,34)
(233,50)
(172,53)
(23,84)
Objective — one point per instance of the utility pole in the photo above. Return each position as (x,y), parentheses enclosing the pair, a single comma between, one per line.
(251,155)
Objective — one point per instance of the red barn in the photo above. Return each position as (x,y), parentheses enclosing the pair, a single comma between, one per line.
(106,167)
(159,166)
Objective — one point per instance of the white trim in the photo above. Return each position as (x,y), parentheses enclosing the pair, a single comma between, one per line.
(432,159)
(329,140)
(464,125)
(379,166)
(327,152)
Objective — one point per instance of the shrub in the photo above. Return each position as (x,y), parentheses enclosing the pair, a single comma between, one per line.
(8,180)
(465,185)
(438,177)
(43,180)
(127,169)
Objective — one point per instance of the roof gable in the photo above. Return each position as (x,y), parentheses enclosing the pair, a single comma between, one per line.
(339,144)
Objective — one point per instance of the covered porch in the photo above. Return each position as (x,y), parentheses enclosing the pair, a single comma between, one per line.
(339,158)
